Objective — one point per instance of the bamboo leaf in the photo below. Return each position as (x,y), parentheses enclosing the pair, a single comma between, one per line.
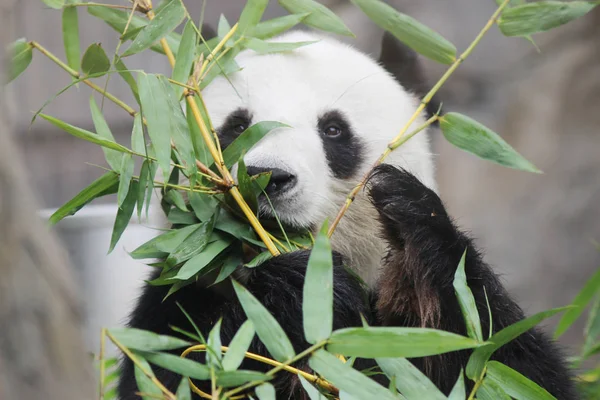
(263,47)
(246,186)
(515,384)
(175,198)
(125,174)
(137,135)
(177,364)
(239,377)
(106,184)
(372,342)
(113,158)
(489,390)
(214,355)
(266,391)
(128,78)
(592,327)
(118,20)
(86,135)
(481,355)
(467,301)
(137,339)
(161,246)
(275,26)
(144,383)
(411,32)
(409,380)
(312,392)
(21,53)
(259,259)
(56,4)
(200,261)
(319,17)
(183,390)
(165,21)
(458,391)
(469,135)
(247,139)
(347,379)
(238,347)
(95,61)
(185,57)
(251,15)
(267,328)
(541,16)
(204,206)
(152,172)
(579,303)
(200,149)
(124,213)
(157,119)
(317,306)
(194,244)
(144,175)
(70,28)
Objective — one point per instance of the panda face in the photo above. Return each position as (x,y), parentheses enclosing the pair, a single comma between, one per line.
(342,109)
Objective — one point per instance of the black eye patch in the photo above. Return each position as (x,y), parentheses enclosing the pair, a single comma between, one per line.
(235,123)
(342,148)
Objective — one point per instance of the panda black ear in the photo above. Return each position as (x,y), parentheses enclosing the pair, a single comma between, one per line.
(403,63)
(208,32)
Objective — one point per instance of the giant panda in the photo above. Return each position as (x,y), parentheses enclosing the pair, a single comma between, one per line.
(343,107)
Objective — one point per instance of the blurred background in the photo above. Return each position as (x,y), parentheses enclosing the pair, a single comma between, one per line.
(537,230)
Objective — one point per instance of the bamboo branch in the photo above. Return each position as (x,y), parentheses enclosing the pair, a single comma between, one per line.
(397,140)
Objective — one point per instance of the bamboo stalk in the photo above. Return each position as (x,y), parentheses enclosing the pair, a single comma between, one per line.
(396,141)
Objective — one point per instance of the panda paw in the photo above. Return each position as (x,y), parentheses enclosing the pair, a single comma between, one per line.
(405,205)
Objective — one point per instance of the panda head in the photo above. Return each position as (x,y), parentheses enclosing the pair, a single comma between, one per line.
(342,108)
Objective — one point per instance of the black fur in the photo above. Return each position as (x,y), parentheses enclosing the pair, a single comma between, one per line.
(344,151)
(415,290)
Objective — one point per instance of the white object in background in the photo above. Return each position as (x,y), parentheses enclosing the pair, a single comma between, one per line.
(108,283)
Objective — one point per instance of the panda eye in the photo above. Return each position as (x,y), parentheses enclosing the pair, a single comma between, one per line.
(239,128)
(333,131)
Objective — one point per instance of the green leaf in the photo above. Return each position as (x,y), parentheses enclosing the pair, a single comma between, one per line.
(225,66)
(246,186)
(347,379)
(409,380)
(214,355)
(106,184)
(179,365)
(317,306)
(183,391)
(161,246)
(247,139)
(21,53)
(266,391)
(228,267)
(481,355)
(57,4)
(165,21)
(580,302)
(515,384)
(185,57)
(251,15)
(411,32)
(156,118)
(238,347)
(372,342)
(267,328)
(458,391)
(144,383)
(138,339)
(467,301)
(85,135)
(175,198)
(541,16)
(259,259)
(70,28)
(178,217)
(592,327)
(275,26)
(200,149)
(239,377)
(489,390)
(223,29)
(200,261)
(125,174)
(137,135)
(128,78)
(469,135)
(319,17)
(124,212)
(113,158)
(94,60)
(151,173)
(312,392)
(119,19)
(204,205)
(263,47)
(194,244)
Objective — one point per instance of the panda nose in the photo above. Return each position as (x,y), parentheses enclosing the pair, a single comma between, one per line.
(281,180)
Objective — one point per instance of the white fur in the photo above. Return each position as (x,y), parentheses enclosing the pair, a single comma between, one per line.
(295,88)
